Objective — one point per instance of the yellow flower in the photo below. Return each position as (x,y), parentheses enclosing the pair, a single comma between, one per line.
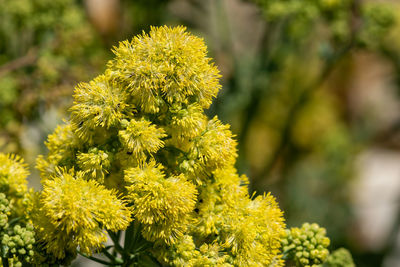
(143,125)
(13,173)
(168,65)
(62,145)
(94,164)
(73,212)
(215,147)
(249,230)
(97,104)
(162,205)
(141,137)
(187,122)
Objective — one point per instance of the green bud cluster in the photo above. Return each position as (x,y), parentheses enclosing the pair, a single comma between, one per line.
(340,258)
(306,246)
(19,243)
(4,211)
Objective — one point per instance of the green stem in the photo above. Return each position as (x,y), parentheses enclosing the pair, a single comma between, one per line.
(175,149)
(13,221)
(115,240)
(113,258)
(98,260)
(5,262)
(129,237)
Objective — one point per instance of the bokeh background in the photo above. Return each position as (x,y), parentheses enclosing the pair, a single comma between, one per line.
(311,89)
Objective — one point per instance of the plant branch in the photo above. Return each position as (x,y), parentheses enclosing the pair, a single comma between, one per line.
(115,240)
(97,260)
(5,262)
(20,62)
(294,111)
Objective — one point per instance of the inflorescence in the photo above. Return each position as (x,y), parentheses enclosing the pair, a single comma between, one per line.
(139,154)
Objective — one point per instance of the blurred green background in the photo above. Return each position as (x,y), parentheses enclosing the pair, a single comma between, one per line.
(310,87)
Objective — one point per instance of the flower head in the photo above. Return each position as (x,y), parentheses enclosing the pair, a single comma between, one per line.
(162,205)
(167,66)
(13,173)
(98,104)
(141,137)
(75,212)
(141,128)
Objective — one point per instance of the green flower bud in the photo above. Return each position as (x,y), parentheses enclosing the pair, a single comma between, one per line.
(309,243)
(340,258)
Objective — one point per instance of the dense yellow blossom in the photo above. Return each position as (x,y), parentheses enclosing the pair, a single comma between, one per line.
(215,147)
(13,183)
(162,205)
(187,122)
(168,65)
(99,103)
(75,212)
(140,137)
(62,145)
(140,128)
(16,232)
(13,173)
(94,164)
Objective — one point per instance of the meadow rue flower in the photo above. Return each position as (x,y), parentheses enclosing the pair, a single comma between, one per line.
(141,137)
(95,163)
(99,103)
(13,173)
(166,67)
(75,212)
(140,130)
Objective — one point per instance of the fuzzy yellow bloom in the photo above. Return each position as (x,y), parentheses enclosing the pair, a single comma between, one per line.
(185,254)
(62,145)
(162,205)
(75,212)
(215,147)
(13,173)
(187,122)
(249,230)
(99,103)
(13,183)
(168,65)
(140,128)
(95,163)
(141,137)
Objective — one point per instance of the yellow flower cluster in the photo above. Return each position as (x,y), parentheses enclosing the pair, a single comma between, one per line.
(74,212)
(17,237)
(140,130)
(13,183)
(163,204)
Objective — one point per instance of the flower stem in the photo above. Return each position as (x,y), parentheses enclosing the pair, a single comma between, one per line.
(5,262)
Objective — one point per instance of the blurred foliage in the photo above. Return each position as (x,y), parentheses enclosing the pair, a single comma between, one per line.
(46,46)
(290,105)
